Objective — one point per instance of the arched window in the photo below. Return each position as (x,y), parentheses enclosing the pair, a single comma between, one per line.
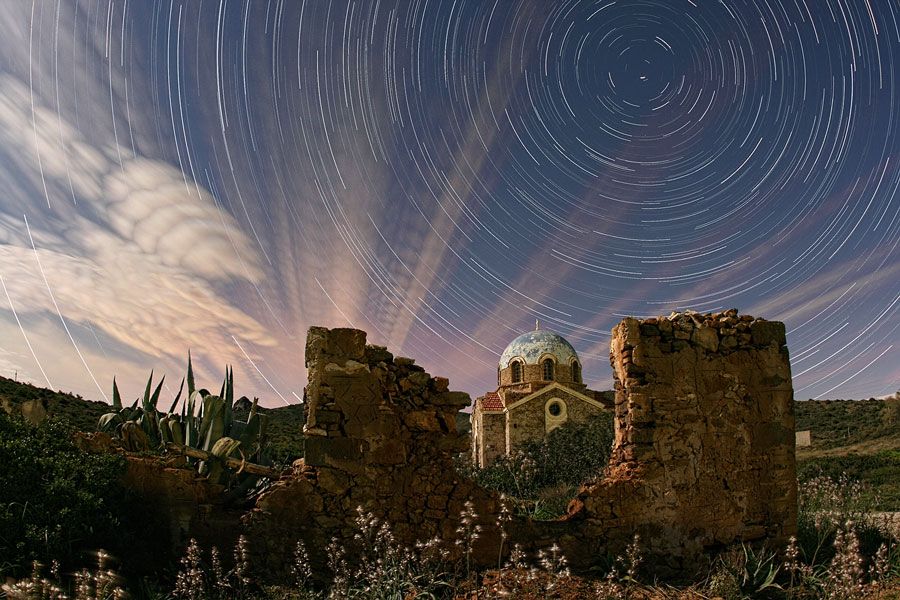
(576,371)
(548,369)
(498,375)
(516,371)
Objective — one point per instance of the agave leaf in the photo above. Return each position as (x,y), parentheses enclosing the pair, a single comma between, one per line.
(250,435)
(133,437)
(146,402)
(191,420)
(237,429)
(263,431)
(135,404)
(212,425)
(228,409)
(190,376)
(117,399)
(165,432)
(109,421)
(154,399)
(224,447)
(177,397)
(220,450)
(177,432)
(150,424)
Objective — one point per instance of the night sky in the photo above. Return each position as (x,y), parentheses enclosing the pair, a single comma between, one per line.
(219,175)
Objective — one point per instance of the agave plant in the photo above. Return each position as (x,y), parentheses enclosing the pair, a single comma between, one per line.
(143,416)
(205,423)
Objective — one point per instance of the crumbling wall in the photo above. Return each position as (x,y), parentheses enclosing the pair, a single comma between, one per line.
(381,436)
(704,444)
(703,454)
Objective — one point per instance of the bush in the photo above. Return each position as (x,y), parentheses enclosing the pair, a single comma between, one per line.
(55,500)
(544,475)
(828,506)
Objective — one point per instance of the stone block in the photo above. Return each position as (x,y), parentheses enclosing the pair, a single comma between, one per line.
(378,354)
(333,481)
(336,345)
(453,399)
(707,338)
(318,451)
(422,420)
(388,452)
(630,330)
(764,333)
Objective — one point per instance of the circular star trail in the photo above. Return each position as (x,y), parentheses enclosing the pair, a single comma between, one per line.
(221,175)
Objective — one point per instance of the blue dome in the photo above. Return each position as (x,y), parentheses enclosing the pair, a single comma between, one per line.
(534,344)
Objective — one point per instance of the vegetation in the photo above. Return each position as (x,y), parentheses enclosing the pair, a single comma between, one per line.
(205,430)
(846,423)
(859,438)
(80,413)
(55,500)
(837,566)
(543,476)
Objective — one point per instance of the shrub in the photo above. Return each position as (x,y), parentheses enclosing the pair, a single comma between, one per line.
(55,500)
(826,506)
(543,475)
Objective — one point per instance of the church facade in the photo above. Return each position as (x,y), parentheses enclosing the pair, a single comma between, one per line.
(539,388)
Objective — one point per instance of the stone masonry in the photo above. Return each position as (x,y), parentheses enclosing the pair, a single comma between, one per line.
(704,438)
(703,454)
(381,436)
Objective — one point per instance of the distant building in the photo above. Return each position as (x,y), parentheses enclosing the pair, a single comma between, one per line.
(804,438)
(539,387)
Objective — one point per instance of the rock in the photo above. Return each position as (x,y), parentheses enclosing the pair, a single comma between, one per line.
(764,333)
(728,342)
(317,451)
(333,481)
(378,354)
(422,420)
(707,338)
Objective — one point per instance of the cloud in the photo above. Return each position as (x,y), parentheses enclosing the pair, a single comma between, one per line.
(128,245)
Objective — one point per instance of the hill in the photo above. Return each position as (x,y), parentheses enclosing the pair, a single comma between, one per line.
(858,437)
(35,403)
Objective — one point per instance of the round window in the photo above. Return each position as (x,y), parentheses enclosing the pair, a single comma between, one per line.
(555,409)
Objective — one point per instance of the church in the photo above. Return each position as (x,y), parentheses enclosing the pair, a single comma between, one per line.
(539,388)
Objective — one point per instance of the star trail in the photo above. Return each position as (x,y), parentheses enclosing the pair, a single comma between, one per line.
(220,175)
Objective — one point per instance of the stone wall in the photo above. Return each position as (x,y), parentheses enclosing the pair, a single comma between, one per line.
(381,436)
(491,428)
(704,446)
(703,454)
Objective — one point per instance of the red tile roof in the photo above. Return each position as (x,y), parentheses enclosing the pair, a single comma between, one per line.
(492,402)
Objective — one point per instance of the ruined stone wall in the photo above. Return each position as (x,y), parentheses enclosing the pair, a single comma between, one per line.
(381,436)
(704,446)
(703,454)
